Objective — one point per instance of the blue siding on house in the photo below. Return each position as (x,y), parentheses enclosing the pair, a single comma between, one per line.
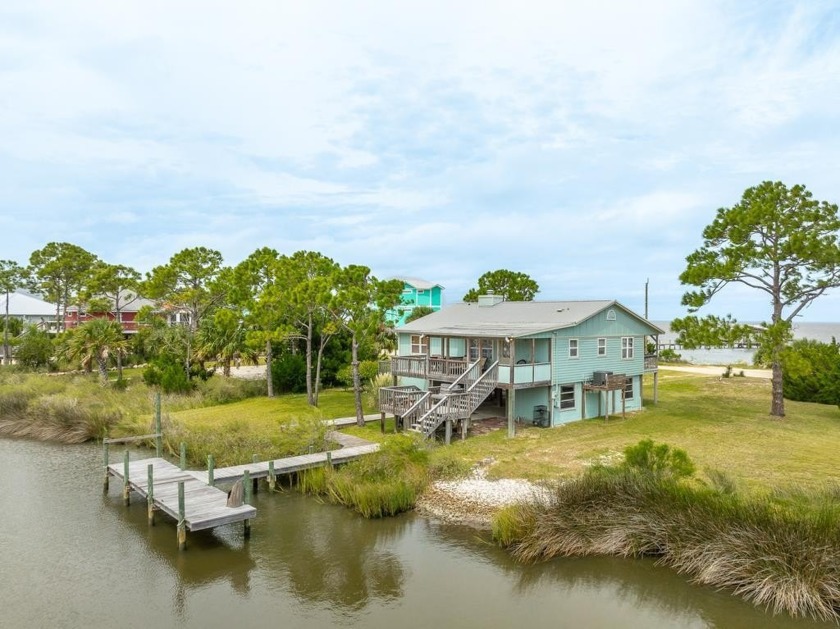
(552,348)
(413,297)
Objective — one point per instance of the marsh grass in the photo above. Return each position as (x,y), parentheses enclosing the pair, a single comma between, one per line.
(784,556)
(379,485)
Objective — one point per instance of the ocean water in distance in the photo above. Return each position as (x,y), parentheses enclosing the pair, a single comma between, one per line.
(823,332)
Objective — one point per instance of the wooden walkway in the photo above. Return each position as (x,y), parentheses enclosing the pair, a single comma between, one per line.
(204,506)
(287,465)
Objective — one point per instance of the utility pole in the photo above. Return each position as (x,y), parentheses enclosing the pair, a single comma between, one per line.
(647,281)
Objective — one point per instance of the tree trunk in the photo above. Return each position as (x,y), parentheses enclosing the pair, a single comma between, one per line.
(317,383)
(268,368)
(7,360)
(357,383)
(119,320)
(309,393)
(102,362)
(777,407)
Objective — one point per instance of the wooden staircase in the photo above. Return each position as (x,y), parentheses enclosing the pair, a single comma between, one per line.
(455,401)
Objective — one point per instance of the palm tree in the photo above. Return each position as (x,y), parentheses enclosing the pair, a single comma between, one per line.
(221,337)
(96,341)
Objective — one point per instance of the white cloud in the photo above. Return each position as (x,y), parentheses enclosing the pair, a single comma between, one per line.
(584,143)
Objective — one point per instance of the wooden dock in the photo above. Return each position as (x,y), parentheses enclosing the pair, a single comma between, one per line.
(190,496)
(204,506)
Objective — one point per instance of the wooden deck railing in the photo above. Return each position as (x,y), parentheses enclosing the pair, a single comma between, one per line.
(428,368)
(651,362)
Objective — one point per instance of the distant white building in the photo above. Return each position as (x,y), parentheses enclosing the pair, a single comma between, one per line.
(31,310)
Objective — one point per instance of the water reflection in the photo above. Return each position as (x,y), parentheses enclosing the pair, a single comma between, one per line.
(330,555)
(639,584)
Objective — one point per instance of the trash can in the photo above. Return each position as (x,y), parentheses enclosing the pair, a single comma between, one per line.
(541,416)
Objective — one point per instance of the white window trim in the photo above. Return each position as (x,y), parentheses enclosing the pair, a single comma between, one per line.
(598,346)
(630,382)
(628,350)
(422,343)
(576,355)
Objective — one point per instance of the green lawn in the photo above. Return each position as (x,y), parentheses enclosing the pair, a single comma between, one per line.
(264,414)
(722,423)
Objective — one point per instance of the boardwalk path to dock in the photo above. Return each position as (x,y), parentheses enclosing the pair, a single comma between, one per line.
(205,506)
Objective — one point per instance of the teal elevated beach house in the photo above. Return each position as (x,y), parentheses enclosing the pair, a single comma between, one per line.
(416,292)
(543,363)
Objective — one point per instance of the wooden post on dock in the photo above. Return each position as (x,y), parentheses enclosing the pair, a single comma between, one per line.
(107,461)
(272,477)
(210,468)
(126,486)
(329,459)
(158,432)
(448,431)
(183,456)
(246,481)
(150,494)
(382,423)
(255,459)
(182,518)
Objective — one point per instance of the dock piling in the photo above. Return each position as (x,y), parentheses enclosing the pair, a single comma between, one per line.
(210,470)
(329,459)
(107,461)
(255,459)
(183,455)
(246,481)
(272,477)
(150,494)
(126,486)
(182,518)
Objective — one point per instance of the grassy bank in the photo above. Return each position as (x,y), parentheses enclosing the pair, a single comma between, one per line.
(723,423)
(783,555)
(76,408)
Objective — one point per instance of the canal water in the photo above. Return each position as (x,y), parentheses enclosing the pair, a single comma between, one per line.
(72,557)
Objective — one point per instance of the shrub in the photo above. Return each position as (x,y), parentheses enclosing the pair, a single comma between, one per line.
(812,372)
(288,373)
(169,375)
(669,355)
(658,459)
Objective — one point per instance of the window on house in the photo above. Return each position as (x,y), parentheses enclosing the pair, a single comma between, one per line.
(602,347)
(567,396)
(419,344)
(610,315)
(627,347)
(573,348)
(628,388)
(421,292)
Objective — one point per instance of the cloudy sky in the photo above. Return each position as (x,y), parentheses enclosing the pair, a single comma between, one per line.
(584,143)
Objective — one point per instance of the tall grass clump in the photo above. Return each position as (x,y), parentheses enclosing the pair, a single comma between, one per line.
(382,484)
(780,556)
(221,390)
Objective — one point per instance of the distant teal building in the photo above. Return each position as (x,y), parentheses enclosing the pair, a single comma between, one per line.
(545,363)
(416,292)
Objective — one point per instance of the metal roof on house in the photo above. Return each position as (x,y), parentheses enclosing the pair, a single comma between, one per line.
(129,302)
(513,318)
(418,283)
(21,305)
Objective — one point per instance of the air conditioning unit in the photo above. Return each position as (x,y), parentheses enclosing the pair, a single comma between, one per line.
(599,378)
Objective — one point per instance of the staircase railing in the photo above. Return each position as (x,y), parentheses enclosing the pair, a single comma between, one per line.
(459,404)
